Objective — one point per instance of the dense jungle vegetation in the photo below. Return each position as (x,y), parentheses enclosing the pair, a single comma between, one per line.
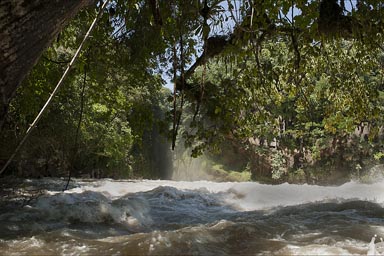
(262,90)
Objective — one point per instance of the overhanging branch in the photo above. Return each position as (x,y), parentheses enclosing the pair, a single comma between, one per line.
(331,23)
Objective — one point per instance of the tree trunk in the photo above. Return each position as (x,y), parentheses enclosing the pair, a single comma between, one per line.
(27,27)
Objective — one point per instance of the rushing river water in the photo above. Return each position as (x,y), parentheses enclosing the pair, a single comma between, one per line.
(106,217)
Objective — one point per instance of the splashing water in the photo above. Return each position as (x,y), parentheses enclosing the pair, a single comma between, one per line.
(169,217)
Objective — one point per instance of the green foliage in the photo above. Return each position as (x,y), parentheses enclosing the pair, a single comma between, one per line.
(278,165)
(312,110)
(285,90)
(101,117)
(378,155)
(219,172)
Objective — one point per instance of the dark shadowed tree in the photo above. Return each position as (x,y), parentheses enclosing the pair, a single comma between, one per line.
(26,29)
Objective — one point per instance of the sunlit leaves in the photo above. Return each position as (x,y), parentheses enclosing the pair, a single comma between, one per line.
(334,89)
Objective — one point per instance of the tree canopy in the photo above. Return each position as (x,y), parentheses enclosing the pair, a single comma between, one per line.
(295,78)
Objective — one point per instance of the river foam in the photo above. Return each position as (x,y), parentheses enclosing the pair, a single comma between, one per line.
(150,217)
(247,195)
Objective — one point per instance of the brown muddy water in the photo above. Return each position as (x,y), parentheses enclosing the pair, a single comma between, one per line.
(147,217)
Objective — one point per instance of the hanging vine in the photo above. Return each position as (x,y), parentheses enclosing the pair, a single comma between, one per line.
(182,77)
(205,12)
(82,102)
(174,131)
(177,113)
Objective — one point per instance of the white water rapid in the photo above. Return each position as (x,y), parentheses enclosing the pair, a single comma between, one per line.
(147,217)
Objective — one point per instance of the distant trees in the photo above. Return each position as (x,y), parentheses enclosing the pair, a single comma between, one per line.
(286,118)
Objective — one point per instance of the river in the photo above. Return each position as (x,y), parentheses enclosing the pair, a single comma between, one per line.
(147,217)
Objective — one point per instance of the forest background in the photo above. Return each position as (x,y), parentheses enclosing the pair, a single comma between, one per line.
(290,92)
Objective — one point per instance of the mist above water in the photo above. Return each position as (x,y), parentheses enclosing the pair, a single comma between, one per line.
(190,169)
